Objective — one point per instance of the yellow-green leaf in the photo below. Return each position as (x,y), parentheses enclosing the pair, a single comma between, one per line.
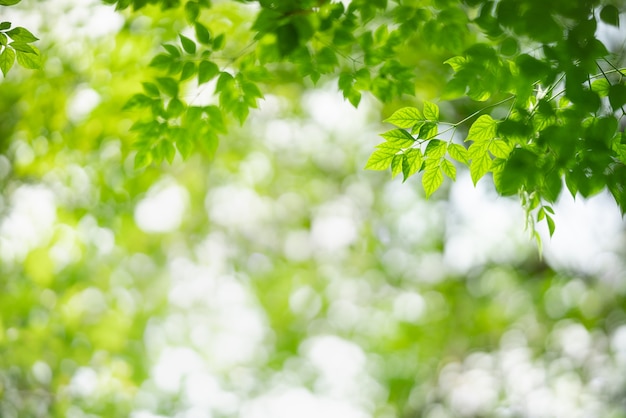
(431,112)
(432,180)
(411,163)
(483,129)
(399,137)
(458,152)
(405,117)
(380,159)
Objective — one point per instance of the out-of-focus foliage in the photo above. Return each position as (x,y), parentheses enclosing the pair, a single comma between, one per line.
(278,278)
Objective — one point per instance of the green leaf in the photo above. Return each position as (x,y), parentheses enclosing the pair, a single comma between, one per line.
(172,50)
(5,25)
(601,87)
(551,226)
(500,148)
(188,71)
(435,149)
(480,164)
(456,63)
(206,71)
(192,11)
(617,96)
(29,60)
(399,138)
(448,169)
(175,107)
(188,45)
(412,162)
(405,117)
(9,2)
(609,14)
(432,180)
(428,130)
(168,85)
(161,61)
(7,59)
(431,112)
(151,89)
(23,47)
(458,152)
(380,159)
(20,34)
(218,42)
(3,39)
(483,129)
(143,158)
(396,164)
(137,101)
(202,34)
(166,150)
(224,81)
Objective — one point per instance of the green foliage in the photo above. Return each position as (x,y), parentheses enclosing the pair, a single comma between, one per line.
(566,81)
(15,44)
(279,240)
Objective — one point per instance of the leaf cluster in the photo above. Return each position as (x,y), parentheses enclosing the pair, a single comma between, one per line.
(15,44)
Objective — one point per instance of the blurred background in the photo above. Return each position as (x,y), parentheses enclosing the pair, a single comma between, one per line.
(280,279)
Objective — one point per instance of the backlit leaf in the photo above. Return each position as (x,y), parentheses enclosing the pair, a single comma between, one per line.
(405,117)
(483,129)
(380,159)
(432,180)
(412,162)
(399,137)
(458,152)
(431,112)
(448,169)
(7,59)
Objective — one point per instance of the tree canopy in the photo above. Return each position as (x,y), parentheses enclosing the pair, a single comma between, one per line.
(187,228)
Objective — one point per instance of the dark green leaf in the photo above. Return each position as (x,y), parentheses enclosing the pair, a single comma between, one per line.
(192,11)
(617,96)
(189,70)
(218,42)
(5,25)
(173,50)
(161,61)
(609,14)
(168,85)
(202,34)
(188,45)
